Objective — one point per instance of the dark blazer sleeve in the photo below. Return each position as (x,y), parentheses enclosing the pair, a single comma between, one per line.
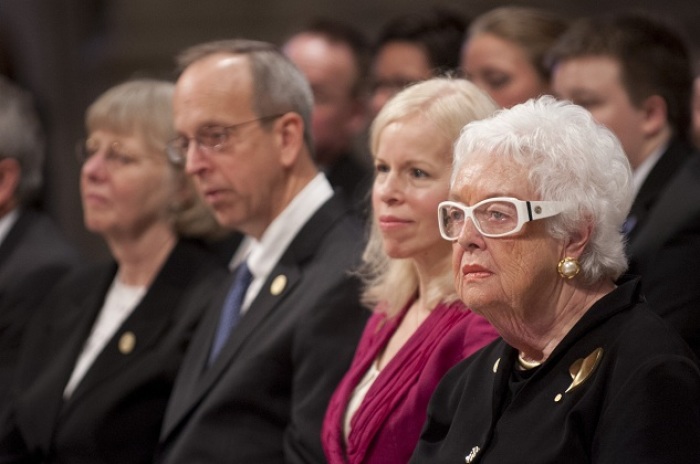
(653,418)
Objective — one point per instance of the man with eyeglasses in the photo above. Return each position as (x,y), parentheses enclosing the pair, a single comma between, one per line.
(261,367)
(414,47)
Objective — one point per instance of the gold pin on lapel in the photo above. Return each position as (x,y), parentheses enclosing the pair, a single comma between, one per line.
(278,284)
(582,369)
(495,365)
(127,342)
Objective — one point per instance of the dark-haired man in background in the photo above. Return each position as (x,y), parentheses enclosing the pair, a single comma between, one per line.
(633,73)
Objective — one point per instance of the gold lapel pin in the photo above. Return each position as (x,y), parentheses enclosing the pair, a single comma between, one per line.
(127,343)
(582,369)
(278,284)
(495,365)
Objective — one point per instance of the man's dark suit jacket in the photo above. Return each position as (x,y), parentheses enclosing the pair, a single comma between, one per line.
(33,257)
(664,244)
(115,413)
(263,399)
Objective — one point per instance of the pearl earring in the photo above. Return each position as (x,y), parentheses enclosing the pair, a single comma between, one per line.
(568,268)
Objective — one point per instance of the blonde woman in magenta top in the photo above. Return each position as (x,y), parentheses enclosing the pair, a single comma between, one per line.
(419,328)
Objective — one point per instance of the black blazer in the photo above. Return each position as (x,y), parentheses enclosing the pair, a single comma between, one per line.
(263,399)
(639,405)
(664,246)
(668,166)
(115,412)
(33,257)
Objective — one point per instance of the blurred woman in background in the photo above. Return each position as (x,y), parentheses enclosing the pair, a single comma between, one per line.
(101,356)
(504,53)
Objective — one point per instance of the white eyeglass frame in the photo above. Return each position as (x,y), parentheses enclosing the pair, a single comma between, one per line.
(527,211)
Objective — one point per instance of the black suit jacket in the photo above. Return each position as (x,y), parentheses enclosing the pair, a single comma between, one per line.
(33,257)
(639,405)
(668,166)
(664,246)
(115,412)
(263,399)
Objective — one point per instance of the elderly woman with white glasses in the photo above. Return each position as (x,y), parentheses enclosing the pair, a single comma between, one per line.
(585,372)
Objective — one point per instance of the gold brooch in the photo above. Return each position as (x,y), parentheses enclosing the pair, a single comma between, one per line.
(582,369)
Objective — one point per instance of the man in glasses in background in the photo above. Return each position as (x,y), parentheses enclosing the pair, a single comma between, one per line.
(255,383)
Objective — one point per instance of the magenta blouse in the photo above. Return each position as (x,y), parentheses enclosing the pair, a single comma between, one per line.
(385,428)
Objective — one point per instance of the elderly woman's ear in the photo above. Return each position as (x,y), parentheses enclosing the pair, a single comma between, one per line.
(575,243)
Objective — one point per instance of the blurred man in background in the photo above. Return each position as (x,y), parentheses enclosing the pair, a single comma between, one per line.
(334,59)
(34,255)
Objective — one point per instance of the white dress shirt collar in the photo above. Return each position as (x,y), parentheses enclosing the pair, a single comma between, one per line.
(6,223)
(265,254)
(642,172)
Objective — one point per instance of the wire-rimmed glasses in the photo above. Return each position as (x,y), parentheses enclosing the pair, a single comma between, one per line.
(212,138)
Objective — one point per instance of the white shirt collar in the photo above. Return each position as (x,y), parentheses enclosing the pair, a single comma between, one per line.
(642,172)
(265,254)
(6,223)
